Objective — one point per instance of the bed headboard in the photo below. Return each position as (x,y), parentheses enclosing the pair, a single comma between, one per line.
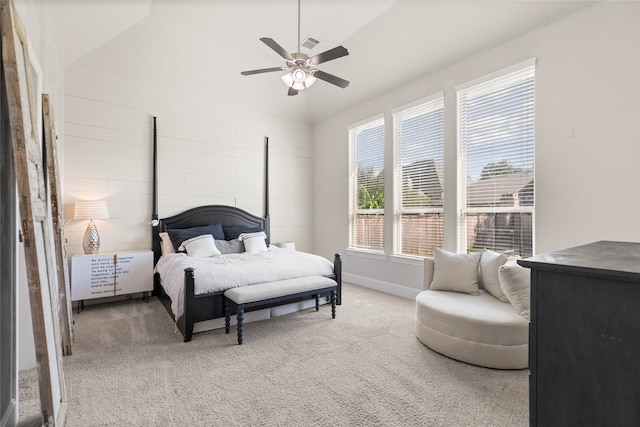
(207,215)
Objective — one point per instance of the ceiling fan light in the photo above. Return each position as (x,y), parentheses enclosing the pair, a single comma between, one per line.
(288,79)
(298,79)
(309,80)
(299,75)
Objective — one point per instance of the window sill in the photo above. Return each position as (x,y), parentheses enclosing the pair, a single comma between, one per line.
(366,254)
(407,259)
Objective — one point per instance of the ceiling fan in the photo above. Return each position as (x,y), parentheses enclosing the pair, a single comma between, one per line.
(301,69)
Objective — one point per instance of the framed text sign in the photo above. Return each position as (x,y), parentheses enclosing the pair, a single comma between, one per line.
(108,275)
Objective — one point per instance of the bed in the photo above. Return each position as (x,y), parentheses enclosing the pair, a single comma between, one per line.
(201,302)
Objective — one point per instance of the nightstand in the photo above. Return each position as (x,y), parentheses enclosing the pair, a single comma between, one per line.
(287,245)
(111,274)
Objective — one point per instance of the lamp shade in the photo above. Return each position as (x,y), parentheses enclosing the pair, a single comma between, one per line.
(90,209)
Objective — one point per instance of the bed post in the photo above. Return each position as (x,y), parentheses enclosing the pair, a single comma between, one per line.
(189,294)
(155,229)
(154,207)
(266,187)
(337,270)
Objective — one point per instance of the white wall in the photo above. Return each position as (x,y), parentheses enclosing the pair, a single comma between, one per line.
(211,149)
(587,84)
(43,51)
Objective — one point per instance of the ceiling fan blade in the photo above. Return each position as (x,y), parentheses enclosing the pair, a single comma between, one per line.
(275,46)
(292,92)
(335,53)
(262,70)
(331,79)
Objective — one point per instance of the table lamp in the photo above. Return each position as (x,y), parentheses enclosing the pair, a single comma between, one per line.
(91,209)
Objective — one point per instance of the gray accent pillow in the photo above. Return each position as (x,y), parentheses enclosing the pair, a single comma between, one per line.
(234,246)
(455,272)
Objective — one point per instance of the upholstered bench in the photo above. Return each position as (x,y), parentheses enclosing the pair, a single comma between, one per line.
(276,293)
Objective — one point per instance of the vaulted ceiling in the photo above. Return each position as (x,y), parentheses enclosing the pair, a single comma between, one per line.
(201,46)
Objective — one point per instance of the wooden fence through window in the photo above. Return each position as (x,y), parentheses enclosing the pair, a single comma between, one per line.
(510,233)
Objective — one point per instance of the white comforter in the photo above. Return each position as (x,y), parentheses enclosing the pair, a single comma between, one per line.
(215,274)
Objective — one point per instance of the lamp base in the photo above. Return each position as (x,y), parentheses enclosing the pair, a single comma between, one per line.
(91,240)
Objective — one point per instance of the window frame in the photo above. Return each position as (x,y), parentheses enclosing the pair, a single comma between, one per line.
(488,84)
(428,105)
(353,130)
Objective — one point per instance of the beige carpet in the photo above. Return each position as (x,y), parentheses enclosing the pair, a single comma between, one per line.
(365,368)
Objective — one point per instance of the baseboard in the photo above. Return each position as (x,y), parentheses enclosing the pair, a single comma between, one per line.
(382,286)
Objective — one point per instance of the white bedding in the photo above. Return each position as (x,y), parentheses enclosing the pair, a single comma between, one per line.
(219,273)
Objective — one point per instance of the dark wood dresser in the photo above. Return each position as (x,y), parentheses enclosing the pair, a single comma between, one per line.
(584,336)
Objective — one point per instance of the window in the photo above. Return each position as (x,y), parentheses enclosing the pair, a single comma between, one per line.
(366,213)
(496,162)
(418,140)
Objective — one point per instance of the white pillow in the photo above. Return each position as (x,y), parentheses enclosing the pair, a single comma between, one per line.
(489,263)
(201,246)
(166,247)
(254,243)
(515,281)
(455,272)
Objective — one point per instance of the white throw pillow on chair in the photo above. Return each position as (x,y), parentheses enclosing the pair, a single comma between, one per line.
(455,272)
(515,281)
(490,262)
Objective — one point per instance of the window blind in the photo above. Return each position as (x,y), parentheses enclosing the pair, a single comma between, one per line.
(418,139)
(496,142)
(366,142)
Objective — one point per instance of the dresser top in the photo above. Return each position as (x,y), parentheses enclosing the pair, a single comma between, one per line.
(603,258)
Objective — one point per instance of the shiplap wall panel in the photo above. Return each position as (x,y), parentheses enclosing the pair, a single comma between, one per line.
(207,154)
(103,134)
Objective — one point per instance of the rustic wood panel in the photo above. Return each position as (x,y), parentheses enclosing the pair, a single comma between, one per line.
(36,224)
(63,295)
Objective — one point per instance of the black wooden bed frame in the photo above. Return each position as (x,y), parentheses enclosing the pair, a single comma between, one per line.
(208,306)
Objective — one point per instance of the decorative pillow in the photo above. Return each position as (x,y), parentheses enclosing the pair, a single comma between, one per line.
(234,246)
(179,235)
(234,231)
(489,263)
(254,242)
(515,281)
(166,247)
(201,247)
(455,272)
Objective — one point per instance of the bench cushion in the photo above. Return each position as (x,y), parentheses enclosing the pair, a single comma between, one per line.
(264,291)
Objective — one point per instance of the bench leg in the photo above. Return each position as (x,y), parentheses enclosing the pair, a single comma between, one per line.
(317,302)
(333,304)
(240,323)
(227,317)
